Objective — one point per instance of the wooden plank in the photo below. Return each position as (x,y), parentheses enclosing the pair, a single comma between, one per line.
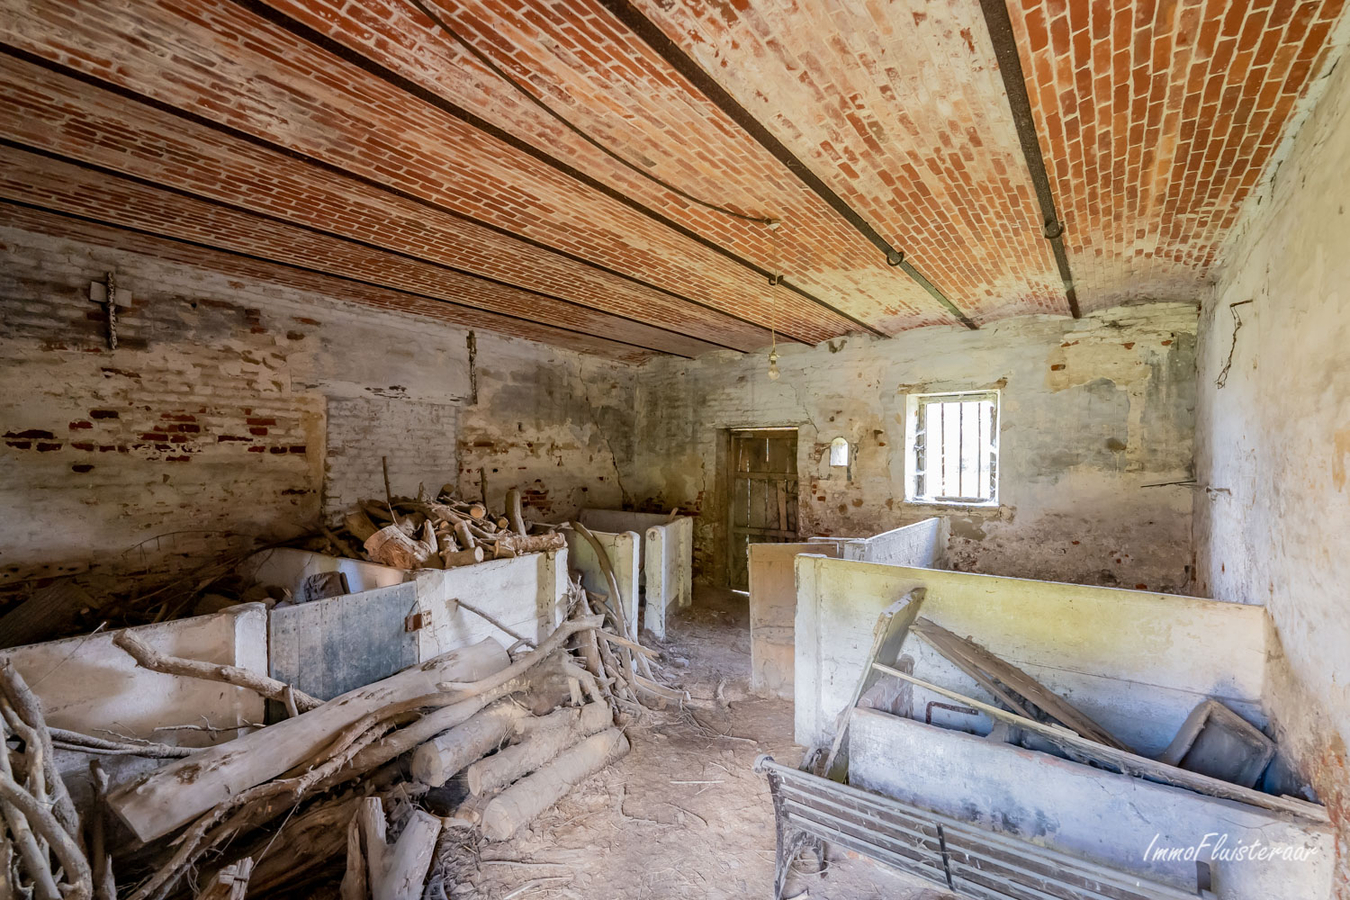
(767,532)
(329,647)
(1124,761)
(887,638)
(1001,673)
(49,612)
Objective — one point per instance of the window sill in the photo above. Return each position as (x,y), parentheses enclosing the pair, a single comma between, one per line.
(984,511)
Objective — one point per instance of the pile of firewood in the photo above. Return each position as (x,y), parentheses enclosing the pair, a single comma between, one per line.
(437,533)
(333,786)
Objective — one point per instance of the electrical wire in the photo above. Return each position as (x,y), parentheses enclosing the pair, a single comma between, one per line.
(529,95)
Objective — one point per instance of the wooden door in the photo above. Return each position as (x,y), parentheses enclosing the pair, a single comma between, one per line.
(763,469)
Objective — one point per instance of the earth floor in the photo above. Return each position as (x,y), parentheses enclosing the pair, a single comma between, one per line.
(682,815)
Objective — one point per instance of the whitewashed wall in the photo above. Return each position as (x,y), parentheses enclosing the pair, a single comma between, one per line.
(1092,410)
(1273,509)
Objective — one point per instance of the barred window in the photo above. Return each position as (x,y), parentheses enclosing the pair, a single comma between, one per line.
(954,448)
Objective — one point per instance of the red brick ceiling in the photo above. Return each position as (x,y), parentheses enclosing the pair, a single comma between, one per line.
(357,146)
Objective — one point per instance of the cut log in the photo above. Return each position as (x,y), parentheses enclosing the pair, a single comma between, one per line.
(515,517)
(464,536)
(519,804)
(390,546)
(438,760)
(322,585)
(532,543)
(179,792)
(463,557)
(406,863)
(396,872)
(356,880)
(359,524)
(544,739)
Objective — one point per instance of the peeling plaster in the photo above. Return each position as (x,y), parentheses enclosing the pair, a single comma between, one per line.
(1092,410)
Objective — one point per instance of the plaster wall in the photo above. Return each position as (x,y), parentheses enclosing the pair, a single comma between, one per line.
(1091,412)
(236,407)
(1273,440)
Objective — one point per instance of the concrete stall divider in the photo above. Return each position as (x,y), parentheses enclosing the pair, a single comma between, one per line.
(665,559)
(773,589)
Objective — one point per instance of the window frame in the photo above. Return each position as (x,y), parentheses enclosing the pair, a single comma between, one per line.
(917,447)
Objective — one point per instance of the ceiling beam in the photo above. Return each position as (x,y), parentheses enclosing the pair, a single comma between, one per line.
(267,217)
(376,70)
(1001,34)
(187,242)
(340,172)
(676,58)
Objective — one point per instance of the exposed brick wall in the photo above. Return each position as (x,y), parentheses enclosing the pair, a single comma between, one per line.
(59,113)
(1156,120)
(214,417)
(418,439)
(190,430)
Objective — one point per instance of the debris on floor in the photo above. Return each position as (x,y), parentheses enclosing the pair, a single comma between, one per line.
(337,783)
(1012,801)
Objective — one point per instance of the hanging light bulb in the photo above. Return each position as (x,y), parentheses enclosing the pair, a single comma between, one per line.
(777,276)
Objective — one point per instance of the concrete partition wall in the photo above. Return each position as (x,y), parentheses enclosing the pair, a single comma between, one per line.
(666,560)
(773,612)
(1136,662)
(773,589)
(288,567)
(667,571)
(87,684)
(922,544)
(1100,816)
(624,550)
(524,593)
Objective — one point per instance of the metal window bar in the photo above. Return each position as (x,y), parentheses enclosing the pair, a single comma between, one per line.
(971,475)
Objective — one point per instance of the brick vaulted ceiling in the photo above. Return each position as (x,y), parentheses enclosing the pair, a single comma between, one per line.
(363,149)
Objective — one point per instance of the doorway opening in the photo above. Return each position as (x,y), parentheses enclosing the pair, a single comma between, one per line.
(763,495)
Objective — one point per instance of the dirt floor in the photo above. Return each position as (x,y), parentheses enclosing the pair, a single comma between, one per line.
(683,815)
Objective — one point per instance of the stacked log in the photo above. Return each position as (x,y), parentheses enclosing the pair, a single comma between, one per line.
(326,785)
(439,533)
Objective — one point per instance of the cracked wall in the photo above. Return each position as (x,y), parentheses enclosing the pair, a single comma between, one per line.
(555,424)
(1093,413)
